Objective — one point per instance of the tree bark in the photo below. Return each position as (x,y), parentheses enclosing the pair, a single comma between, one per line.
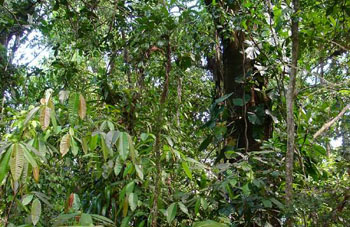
(290,115)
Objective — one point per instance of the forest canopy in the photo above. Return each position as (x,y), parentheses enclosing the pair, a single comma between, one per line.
(174,113)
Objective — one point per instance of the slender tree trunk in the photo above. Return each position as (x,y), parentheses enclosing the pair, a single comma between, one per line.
(157,146)
(290,115)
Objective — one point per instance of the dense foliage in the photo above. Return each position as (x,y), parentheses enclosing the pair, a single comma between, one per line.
(174,112)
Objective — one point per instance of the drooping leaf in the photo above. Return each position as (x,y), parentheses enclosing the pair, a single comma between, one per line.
(74,146)
(16,162)
(65,144)
(30,115)
(28,156)
(82,107)
(133,199)
(45,115)
(36,211)
(4,163)
(183,208)
(27,199)
(117,167)
(125,207)
(84,145)
(63,96)
(102,219)
(139,171)
(171,212)
(111,138)
(36,174)
(73,107)
(123,145)
(187,169)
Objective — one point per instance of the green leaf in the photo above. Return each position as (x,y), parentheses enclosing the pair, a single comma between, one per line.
(16,162)
(36,211)
(187,170)
(30,115)
(74,146)
(171,212)
(238,102)
(206,143)
(73,107)
(111,138)
(117,167)
(4,163)
(85,220)
(183,208)
(208,223)
(125,222)
(123,145)
(102,219)
(29,157)
(223,98)
(27,199)
(139,172)
(133,199)
(267,203)
(129,188)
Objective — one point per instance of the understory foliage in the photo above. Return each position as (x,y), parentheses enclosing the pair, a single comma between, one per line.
(126,118)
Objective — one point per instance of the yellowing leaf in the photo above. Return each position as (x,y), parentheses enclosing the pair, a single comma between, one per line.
(45,117)
(65,143)
(36,174)
(125,207)
(82,107)
(36,211)
(16,162)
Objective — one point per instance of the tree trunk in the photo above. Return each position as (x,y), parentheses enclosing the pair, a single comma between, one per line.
(290,115)
(235,66)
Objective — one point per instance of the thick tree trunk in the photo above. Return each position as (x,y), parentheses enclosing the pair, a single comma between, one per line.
(235,66)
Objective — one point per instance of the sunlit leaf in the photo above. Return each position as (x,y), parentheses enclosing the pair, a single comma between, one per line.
(133,198)
(45,115)
(171,212)
(82,107)
(36,211)
(65,144)
(16,162)
(187,169)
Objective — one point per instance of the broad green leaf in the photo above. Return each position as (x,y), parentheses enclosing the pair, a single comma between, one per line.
(117,167)
(84,145)
(183,208)
(30,115)
(208,223)
(105,151)
(16,162)
(139,171)
(171,212)
(65,144)
(111,138)
(73,107)
(187,170)
(36,211)
(4,163)
(82,107)
(129,187)
(123,145)
(74,146)
(125,222)
(267,203)
(27,199)
(85,220)
(133,199)
(29,157)
(45,115)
